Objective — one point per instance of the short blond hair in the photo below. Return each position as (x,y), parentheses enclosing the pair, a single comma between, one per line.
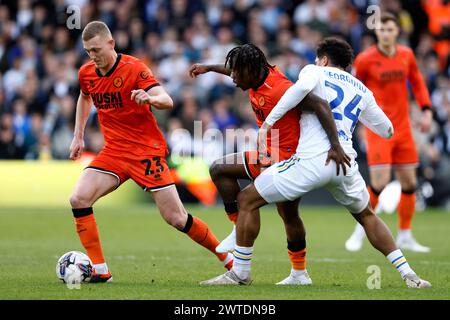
(94,28)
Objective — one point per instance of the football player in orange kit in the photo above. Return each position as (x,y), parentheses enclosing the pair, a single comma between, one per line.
(123,89)
(266,84)
(385,69)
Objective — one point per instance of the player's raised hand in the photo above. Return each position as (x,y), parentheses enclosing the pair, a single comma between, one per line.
(197,69)
(76,148)
(141,97)
(337,154)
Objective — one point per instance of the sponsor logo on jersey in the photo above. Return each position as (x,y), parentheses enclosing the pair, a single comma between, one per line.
(107,100)
(392,75)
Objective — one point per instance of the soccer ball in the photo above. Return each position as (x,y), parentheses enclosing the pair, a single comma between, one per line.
(74,267)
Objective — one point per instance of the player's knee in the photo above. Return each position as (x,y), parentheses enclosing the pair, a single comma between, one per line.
(79,201)
(178,221)
(378,186)
(409,187)
(216,169)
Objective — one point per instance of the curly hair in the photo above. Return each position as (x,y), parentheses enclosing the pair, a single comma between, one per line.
(337,50)
(249,59)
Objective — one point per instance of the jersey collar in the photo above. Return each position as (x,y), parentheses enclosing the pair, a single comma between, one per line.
(384,54)
(97,71)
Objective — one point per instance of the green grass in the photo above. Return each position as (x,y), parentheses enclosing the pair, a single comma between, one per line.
(150,260)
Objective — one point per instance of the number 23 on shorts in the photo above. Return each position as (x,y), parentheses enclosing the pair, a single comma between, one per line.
(153,165)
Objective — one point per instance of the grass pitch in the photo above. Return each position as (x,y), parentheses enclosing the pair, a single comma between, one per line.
(151,260)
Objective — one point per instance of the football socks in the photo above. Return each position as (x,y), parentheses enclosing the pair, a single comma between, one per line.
(199,231)
(87,230)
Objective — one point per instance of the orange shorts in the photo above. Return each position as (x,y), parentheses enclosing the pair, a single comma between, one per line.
(398,151)
(252,165)
(151,173)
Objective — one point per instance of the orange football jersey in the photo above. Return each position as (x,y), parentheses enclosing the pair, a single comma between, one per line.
(387,76)
(128,128)
(264,99)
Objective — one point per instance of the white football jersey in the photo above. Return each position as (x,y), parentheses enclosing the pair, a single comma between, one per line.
(349,99)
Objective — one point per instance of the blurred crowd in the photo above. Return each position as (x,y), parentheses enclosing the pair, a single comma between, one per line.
(40,57)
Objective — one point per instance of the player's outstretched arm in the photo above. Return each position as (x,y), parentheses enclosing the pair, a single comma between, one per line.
(156,97)
(84,105)
(197,69)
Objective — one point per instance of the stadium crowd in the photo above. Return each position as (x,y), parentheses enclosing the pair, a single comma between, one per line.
(40,57)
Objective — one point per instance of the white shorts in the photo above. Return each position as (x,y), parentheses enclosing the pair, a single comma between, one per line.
(291,179)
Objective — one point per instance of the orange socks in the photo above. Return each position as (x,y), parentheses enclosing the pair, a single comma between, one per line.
(297,254)
(88,232)
(298,259)
(374,194)
(232,217)
(231,209)
(406,209)
(199,231)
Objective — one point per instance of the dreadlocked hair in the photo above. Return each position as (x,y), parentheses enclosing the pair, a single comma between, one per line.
(247,58)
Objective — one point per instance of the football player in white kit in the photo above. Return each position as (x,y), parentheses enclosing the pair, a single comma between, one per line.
(350,101)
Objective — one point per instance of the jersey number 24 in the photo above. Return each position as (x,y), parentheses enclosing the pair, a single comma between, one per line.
(348,110)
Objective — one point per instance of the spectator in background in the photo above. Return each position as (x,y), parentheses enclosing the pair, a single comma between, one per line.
(311,11)
(223,116)
(21,123)
(8,148)
(172,70)
(14,79)
(39,57)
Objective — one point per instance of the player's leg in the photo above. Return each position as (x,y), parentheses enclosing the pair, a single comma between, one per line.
(174,213)
(247,229)
(381,239)
(406,159)
(379,159)
(377,232)
(379,178)
(279,183)
(406,175)
(91,186)
(351,192)
(225,173)
(296,243)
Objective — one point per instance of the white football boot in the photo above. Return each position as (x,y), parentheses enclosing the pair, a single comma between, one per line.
(297,278)
(405,241)
(228,278)
(227,244)
(413,281)
(355,242)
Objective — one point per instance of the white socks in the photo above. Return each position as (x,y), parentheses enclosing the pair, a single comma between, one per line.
(297,273)
(399,262)
(101,268)
(402,234)
(242,261)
